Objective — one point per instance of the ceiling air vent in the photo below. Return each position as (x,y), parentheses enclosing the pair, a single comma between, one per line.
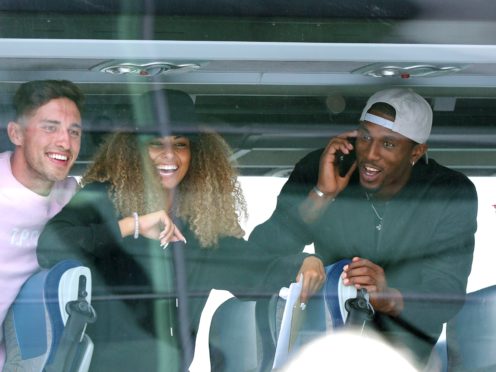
(144,69)
(405,71)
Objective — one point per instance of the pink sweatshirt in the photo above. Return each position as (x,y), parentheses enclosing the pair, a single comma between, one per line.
(23,213)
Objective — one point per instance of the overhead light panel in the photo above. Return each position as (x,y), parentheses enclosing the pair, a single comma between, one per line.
(145,69)
(407,70)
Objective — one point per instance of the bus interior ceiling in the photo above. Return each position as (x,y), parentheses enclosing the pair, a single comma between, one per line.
(276,81)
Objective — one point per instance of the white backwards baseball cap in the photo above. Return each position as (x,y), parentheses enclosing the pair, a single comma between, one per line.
(413,113)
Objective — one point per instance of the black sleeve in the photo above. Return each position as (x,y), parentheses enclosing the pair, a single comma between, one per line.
(445,272)
(86,227)
(285,232)
(241,267)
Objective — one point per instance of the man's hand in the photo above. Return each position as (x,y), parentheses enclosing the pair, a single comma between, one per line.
(313,277)
(363,273)
(329,182)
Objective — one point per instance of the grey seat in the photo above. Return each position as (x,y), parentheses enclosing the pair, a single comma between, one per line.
(233,337)
(471,334)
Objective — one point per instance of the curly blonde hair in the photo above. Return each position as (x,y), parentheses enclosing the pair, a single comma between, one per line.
(209,198)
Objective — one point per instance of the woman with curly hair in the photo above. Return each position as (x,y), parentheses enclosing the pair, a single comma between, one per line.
(141,194)
(198,184)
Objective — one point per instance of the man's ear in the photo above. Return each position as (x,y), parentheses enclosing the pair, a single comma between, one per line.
(418,151)
(15,132)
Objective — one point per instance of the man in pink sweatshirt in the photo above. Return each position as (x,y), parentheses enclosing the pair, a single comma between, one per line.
(34,185)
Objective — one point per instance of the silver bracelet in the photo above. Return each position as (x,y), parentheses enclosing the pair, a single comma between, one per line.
(320,194)
(136,225)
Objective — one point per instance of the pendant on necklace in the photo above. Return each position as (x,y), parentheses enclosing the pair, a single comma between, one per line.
(378,227)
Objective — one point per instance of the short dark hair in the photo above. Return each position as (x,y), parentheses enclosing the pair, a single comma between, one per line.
(383,108)
(33,94)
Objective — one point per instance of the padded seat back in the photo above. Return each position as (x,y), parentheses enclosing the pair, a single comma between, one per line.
(471,334)
(233,337)
(44,328)
(336,294)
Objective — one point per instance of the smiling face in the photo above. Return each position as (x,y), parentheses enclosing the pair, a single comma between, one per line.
(385,158)
(47,144)
(171,156)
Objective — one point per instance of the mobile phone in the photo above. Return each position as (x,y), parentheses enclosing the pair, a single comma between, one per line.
(345,161)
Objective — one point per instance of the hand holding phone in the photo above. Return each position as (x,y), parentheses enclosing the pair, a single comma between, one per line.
(345,161)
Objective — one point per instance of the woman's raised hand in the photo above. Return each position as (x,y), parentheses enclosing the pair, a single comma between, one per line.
(156,225)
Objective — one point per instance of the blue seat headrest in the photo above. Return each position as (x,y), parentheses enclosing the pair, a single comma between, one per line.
(335,294)
(38,296)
